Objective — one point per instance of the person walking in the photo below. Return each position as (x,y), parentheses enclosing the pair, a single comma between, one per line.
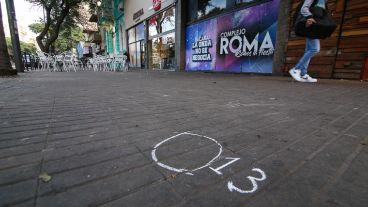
(127,61)
(300,71)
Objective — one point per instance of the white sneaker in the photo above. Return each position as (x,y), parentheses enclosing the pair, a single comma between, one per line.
(307,79)
(295,74)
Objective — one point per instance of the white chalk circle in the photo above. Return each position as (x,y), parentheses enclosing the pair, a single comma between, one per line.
(183,170)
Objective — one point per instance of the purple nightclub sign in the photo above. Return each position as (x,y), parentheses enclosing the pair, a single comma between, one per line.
(242,41)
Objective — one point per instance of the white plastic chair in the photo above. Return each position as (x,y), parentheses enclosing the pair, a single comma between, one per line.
(120,63)
(68,63)
(45,61)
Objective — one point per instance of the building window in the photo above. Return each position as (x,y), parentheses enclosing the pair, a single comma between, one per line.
(199,9)
(161,43)
(135,45)
(162,22)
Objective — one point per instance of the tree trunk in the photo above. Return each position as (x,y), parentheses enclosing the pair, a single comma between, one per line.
(5,65)
(45,45)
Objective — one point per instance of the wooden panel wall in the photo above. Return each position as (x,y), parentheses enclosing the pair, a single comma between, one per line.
(353,47)
(342,58)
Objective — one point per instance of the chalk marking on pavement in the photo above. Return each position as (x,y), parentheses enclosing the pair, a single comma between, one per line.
(230,184)
(217,170)
(252,179)
(187,171)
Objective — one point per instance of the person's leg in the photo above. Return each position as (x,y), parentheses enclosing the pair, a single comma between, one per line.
(312,48)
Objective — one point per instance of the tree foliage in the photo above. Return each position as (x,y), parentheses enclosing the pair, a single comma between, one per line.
(60,15)
(36,27)
(25,47)
(68,37)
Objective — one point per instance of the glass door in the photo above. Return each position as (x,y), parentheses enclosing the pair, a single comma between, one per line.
(136,46)
(143,54)
(161,43)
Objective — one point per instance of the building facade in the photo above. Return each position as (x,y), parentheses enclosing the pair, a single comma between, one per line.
(239,36)
(150,27)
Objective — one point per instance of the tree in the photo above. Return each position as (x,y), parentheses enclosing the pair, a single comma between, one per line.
(5,65)
(58,14)
(29,48)
(68,37)
(36,27)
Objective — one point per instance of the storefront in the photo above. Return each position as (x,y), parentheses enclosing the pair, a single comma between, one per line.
(202,35)
(151,34)
(231,36)
(240,36)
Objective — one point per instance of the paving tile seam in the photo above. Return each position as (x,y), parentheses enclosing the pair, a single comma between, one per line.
(317,197)
(235,172)
(211,125)
(311,120)
(97,150)
(308,134)
(65,138)
(136,140)
(114,158)
(86,109)
(247,133)
(115,174)
(203,102)
(131,127)
(292,171)
(120,196)
(42,155)
(26,136)
(21,154)
(21,145)
(151,161)
(119,118)
(101,99)
(42,104)
(105,117)
(72,117)
(113,104)
(194,149)
(155,114)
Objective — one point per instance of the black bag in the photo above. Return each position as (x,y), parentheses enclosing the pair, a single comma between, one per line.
(324,27)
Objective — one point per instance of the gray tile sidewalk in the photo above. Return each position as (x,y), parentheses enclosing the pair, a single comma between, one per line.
(94,134)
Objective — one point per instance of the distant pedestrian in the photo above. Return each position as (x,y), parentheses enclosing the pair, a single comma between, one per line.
(127,62)
(300,71)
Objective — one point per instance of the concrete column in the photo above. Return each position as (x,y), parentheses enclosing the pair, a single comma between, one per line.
(282,37)
(180,11)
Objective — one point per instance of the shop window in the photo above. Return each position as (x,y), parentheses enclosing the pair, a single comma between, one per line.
(209,7)
(163,22)
(131,35)
(140,32)
(136,43)
(199,9)
(163,52)
(161,43)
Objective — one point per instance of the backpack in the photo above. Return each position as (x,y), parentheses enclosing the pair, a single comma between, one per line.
(324,27)
(299,7)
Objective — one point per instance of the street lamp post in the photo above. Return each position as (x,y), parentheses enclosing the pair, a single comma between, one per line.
(14,35)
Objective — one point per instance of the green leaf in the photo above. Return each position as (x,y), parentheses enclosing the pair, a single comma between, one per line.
(45,177)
